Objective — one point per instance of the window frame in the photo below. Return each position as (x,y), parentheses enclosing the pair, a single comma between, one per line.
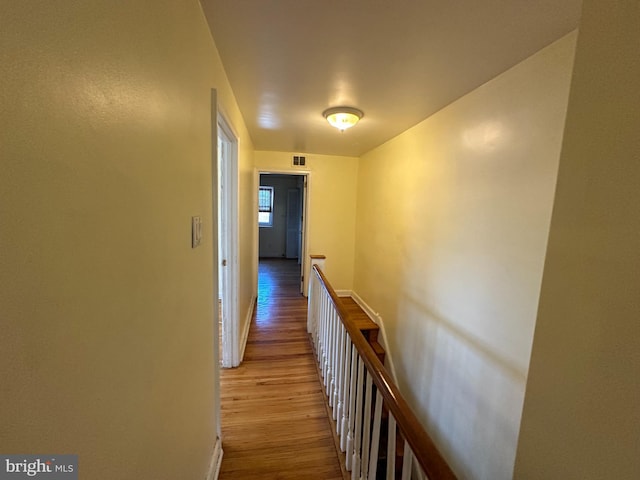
(269,223)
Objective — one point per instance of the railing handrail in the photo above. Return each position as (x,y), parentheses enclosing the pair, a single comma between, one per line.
(424,450)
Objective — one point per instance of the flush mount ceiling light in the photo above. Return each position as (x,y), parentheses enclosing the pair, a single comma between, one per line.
(342,117)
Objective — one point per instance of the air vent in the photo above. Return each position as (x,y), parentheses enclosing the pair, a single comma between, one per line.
(299,161)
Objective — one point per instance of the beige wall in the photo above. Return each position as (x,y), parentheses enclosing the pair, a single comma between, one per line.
(581,417)
(332,208)
(106,311)
(451,231)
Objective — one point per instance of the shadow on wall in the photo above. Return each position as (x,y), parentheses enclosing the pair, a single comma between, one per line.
(468,397)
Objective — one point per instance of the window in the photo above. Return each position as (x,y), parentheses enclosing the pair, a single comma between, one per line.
(265,206)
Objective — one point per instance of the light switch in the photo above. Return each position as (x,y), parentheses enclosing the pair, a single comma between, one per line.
(196,231)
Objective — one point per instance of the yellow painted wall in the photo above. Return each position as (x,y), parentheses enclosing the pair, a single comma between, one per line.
(332,208)
(247,231)
(581,417)
(451,232)
(106,312)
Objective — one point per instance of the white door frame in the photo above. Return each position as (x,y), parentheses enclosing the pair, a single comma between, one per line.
(214,272)
(304,254)
(228,241)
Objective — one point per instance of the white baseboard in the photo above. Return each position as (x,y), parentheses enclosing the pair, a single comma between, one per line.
(245,331)
(377,319)
(343,293)
(373,315)
(216,461)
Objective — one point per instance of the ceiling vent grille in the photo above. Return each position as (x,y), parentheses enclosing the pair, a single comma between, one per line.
(299,161)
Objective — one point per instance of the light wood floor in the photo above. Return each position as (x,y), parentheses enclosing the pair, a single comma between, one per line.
(274,419)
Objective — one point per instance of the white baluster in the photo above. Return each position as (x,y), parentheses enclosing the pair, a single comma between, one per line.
(375,437)
(311,303)
(320,327)
(339,377)
(346,382)
(366,436)
(355,472)
(353,383)
(330,349)
(337,361)
(337,373)
(391,448)
(406,462)
(326,343)
(332,354)
(325,334)
(318,297)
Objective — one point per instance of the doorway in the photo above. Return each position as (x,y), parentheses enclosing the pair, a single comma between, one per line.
(282,204)
(227,295)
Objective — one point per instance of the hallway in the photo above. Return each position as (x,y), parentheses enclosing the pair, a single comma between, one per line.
(274,420)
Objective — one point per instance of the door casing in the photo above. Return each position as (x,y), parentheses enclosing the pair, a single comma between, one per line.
(304,254)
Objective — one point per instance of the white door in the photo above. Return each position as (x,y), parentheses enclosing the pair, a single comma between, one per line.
(228,243)
(222,243)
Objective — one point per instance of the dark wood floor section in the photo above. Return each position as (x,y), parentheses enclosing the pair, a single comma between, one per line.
(274,420)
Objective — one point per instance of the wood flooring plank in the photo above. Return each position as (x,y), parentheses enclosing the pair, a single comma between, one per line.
(273,414)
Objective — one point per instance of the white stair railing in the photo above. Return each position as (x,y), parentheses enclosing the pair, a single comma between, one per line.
(357,384)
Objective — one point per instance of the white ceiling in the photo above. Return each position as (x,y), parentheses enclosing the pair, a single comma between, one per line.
(399,61)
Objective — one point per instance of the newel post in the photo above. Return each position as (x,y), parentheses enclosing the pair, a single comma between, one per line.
(312,301)
(318,260)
